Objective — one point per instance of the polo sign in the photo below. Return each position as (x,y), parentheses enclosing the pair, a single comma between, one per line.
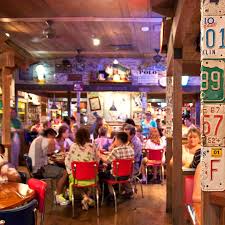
(213,125)
(213,169)
(213,37)
(212,81)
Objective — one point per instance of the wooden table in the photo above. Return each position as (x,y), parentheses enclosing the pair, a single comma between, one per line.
(14,194)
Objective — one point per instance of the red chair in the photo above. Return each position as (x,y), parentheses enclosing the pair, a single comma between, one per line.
(188,189)
(155,160)
(85,171)
(120,168)
(40,188)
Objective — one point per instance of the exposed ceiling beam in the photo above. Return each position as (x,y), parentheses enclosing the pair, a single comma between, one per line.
(84,19)
(181,22)
(51,54)
(168,12)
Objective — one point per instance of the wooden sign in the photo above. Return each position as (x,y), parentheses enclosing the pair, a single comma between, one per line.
(213,37)
(213,169)
(169,108)
(213,124)
(212,81)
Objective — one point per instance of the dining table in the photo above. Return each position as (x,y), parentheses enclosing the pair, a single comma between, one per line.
(14,194)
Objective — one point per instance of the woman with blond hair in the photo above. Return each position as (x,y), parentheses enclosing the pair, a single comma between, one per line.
(154,142)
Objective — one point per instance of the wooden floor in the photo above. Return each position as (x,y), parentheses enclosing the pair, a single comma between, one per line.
(138,211)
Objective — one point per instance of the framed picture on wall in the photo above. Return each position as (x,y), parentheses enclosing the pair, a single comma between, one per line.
(95,103)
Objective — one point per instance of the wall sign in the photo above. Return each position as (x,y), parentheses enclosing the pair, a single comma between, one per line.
(213,124)
(213,7)
(213,37)
(213,169)
(212,81)
(169,108)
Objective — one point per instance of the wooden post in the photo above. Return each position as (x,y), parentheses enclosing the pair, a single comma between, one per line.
(169,175)
(6,123)
(78,108)
(69,103)
(177,195)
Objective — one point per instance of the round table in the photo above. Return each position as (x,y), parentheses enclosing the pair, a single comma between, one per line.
(14,194)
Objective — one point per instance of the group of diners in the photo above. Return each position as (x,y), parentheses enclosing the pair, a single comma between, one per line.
(91,145)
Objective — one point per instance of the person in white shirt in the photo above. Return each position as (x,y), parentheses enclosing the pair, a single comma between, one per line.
(40,148)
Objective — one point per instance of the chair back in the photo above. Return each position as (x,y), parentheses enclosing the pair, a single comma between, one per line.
(122,167)
(188,189)
(84,170)
(28,162)
(23,215)
(153,154)
(40,188)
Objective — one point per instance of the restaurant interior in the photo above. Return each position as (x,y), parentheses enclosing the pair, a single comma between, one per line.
(101,59)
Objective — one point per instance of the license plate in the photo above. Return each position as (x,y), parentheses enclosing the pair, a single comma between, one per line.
(213,37)
(212,170)
(209,7)
(213,125)
(212,81)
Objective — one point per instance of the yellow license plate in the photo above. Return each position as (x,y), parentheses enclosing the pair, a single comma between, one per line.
(216,152)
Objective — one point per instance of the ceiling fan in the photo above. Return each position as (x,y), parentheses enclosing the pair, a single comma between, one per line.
(47,33)
(157,58)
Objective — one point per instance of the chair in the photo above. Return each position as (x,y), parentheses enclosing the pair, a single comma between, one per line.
(28,162)
(120,168)
(188,191)
(23,215)
(40,188)
(155,160)
(85,171)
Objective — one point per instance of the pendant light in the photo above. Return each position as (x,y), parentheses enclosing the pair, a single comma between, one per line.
(54,106)
(113,107)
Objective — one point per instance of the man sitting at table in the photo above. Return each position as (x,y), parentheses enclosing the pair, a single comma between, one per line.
(40,148)
(121,150)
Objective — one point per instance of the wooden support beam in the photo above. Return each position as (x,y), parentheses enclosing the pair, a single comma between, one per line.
(6,128)
(169,190)
(84,19)
(179,28)
(177,179)
(7,63)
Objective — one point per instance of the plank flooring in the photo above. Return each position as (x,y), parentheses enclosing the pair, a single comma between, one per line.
(149,210)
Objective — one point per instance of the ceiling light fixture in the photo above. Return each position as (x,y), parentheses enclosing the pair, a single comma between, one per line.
(40,70)
(115,61)
(145,29)
(96,41)
(7,34)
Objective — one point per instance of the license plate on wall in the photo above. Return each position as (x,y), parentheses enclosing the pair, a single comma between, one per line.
(212,81)
(213,37)
(212,169)
(213,125)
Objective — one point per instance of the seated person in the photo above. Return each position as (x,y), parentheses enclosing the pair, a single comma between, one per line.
(156,143)
(82,151)
(102,141)
(40,148)
(121,150)
(62,140)
(7,171)
(192,150)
